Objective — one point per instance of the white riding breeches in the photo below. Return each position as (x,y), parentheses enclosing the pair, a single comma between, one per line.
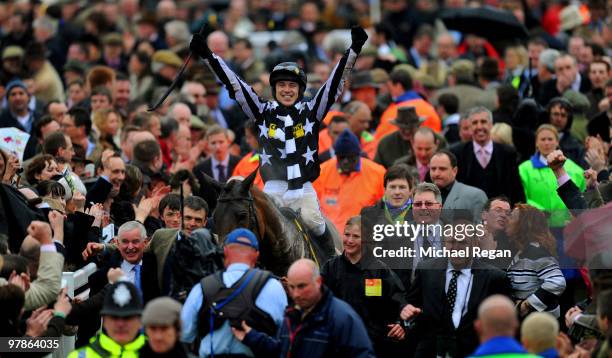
(307,205)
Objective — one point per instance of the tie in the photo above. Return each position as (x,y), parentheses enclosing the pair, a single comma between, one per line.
(483,157)
(137,278)
(451,294)
(221,169)
(427,237)
(423,173)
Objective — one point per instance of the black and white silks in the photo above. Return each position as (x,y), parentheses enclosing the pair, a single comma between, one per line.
(288,136)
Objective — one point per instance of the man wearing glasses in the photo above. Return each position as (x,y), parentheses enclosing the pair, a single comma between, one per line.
(288,125)
(426,211)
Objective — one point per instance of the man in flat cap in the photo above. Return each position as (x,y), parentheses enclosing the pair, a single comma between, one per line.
(162,323)
(165,65)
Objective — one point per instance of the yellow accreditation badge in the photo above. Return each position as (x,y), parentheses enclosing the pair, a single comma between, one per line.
(373,287)
(272,130)
(298,131)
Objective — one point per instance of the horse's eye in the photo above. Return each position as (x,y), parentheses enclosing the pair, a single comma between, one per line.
(242,216)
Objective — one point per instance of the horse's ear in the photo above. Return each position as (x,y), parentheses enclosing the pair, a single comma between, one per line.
(248,181)
(211,182)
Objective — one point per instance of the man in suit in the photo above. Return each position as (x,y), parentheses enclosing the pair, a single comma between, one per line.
(491,167)
(455,195)
(567,78)
(445,295)
(138,266)
(218,166)
(424,144)
(426,211)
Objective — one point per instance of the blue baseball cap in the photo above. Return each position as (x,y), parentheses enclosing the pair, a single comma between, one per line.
(244,237)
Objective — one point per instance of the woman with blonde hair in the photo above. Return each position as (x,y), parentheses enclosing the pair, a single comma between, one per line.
(540,183)
(534,273)
(108,122)
(502,133)
(516,59)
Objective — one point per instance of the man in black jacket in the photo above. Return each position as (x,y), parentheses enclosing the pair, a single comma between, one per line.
(140,267)
(445,296)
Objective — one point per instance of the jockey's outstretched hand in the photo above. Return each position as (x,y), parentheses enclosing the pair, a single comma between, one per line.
(199,46)
(358,38)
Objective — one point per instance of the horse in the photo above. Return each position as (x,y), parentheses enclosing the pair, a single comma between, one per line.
(280,231)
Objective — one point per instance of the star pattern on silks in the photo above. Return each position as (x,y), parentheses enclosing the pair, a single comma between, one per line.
(300,106)
(283,153)
(286,119)
(265,158)
(309,155)
(272,105)
(263,130)
(308,126)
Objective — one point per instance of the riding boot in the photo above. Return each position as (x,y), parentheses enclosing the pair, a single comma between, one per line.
(326,243)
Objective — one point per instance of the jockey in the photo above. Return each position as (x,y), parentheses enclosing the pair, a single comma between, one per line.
(288,126)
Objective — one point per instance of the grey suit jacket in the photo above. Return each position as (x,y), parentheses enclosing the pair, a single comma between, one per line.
(466,197)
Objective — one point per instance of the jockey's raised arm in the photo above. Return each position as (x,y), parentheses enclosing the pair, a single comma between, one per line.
(237,88)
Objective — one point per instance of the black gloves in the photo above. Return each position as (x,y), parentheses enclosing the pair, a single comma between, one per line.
(358,38)
(199,47)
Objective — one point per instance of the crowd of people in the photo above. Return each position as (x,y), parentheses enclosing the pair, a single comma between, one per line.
(402,120)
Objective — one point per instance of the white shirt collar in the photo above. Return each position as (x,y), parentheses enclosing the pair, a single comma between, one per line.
(464,271)
(224,162)
(576,84)
(127,267)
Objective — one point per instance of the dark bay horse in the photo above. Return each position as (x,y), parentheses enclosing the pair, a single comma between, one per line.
(282,238)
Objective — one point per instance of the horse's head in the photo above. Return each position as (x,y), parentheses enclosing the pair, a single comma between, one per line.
(235,207)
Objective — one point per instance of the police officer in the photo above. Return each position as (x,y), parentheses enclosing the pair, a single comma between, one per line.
(120,335)
(228,297)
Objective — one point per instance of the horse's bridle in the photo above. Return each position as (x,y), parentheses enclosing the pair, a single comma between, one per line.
(253,221)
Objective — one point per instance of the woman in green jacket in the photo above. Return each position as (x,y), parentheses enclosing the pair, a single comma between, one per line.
(539,181)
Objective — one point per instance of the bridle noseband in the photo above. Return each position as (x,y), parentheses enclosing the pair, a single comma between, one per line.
(253,221)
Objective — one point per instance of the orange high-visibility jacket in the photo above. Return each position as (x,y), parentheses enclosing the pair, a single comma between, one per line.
(343,196)
(423,109)
(325,141)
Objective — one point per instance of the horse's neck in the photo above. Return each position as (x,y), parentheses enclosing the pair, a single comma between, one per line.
(273,216)
(275,222)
